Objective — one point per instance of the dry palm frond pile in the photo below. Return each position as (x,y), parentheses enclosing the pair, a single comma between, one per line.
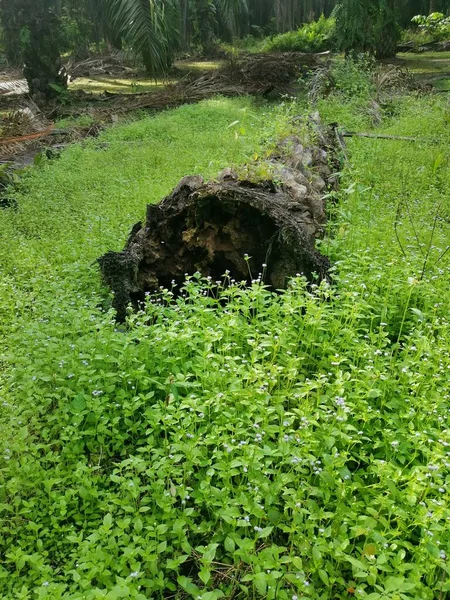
(16,86)
(393,78)
(107,64)
(21,128)
(261,74)
(25,129)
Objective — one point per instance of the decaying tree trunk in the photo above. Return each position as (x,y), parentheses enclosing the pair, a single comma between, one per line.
(209,227)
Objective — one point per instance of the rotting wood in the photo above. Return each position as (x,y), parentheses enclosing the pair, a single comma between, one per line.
(209,227)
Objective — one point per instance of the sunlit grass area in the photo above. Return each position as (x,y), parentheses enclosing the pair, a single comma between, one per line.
(112,84)
(139,83)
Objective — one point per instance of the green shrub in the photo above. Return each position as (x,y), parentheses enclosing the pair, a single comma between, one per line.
(353,76)
(350,78)
(428,29)
(312,37)
(437,24)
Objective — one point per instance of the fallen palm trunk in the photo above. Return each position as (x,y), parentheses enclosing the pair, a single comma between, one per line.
(442,46)
(239,226)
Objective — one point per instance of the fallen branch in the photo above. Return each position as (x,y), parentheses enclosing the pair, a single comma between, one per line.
(28,137)
(380,136)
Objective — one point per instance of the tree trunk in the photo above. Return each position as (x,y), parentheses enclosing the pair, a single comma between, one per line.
(387,31)
(211,227)
(10,18)
(435,6)
(42,62)
(204,21)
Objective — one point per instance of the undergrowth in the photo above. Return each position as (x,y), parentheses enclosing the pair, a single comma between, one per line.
(233,442)
(317,36)
(428,29)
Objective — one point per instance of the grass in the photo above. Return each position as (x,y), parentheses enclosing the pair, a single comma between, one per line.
(289,446)
(428,67)
(112,84)
(141,83)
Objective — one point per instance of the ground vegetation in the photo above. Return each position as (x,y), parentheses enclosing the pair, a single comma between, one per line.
(226,440)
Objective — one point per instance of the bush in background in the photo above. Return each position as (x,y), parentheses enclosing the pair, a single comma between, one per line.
(428,29)
(317,36)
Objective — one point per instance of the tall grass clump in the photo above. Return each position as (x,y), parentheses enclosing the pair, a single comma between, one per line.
(229,442)
(317,36)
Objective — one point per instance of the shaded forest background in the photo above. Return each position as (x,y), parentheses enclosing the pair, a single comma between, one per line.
(38,35)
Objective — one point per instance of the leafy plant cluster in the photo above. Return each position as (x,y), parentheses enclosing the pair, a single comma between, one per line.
(317,36)
(228,442)
(432,28)
(351,79)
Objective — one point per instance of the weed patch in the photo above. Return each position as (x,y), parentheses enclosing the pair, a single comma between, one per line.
(245,445)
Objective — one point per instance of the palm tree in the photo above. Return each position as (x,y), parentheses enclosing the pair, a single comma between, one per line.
(10,27)
(34,29)
(353,28)
(368,26)
(232,16)
(150,26)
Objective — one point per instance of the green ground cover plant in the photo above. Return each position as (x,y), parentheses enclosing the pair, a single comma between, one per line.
(278,446)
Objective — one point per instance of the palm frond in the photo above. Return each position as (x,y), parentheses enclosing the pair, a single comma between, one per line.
(145,24)
(232,12)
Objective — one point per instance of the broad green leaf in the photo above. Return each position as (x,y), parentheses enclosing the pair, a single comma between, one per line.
(205,575)
(78,404)
(107,521)
(260,583)
(324,576)
(229,545)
